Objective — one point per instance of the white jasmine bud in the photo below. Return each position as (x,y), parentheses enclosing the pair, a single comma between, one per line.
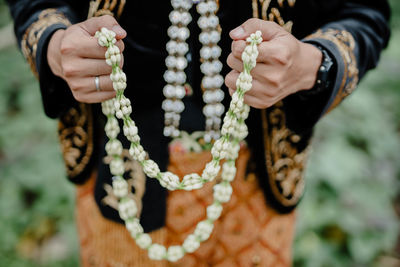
(214,211)
(143,241)
(191,243)
(175,253)
(117,167)
(127,209)
(134,227)
(157,252)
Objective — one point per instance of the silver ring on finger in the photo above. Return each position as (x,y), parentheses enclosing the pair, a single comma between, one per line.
(97,83)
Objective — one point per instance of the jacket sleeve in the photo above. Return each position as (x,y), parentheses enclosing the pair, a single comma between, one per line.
(354,38)
(34,24)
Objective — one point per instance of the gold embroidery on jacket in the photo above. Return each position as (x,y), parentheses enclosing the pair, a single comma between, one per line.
(285,163)
(110,7)
(75,131)
(136,180)
(274,14)
(345,42)
(35,31)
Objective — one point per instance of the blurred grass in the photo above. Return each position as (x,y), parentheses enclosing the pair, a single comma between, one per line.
(346,217)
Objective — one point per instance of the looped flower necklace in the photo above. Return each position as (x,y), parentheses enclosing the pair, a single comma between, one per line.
(233,131)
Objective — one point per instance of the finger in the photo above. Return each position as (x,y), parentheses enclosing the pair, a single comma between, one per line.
(92,49)
(93,67)
(269,29)
(105,83)
(96,97)
(94,24)
(267,50)
(234,63)
(237,48)
(258,89)
(253,101)
(88,85)
(259,72)
(88,67)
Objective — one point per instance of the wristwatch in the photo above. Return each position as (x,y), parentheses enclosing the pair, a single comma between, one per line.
(325,75)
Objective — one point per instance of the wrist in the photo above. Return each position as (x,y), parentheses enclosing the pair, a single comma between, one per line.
(53,52)
(311,58)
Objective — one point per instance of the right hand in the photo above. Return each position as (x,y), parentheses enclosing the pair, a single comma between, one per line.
(75,55)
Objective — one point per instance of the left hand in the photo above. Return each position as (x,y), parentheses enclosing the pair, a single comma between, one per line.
(285,65)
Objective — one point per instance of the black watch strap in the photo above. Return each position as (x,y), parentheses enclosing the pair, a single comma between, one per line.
(325,74)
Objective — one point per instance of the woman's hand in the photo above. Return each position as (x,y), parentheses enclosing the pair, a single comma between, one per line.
(285,65)
(74,55)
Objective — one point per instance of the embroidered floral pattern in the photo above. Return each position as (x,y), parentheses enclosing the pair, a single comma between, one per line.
(33,34)
(344,41)
(113,8)
(274,13)
(75,131)
(284,160)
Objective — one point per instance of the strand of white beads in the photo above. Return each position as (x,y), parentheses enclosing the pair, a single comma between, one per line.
(234,130)
(211,67)
(176,63)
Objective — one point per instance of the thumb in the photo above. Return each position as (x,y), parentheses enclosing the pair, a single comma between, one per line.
(268,29)
(94,24)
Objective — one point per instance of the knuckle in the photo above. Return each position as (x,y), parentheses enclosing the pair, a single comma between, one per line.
(253,20)
(229,60)
(108,19)
(75,86)
(68,70)
(66,48)
(283,57)
(121,45)
(266,103)
(237,49)
(228,80)
(121,64)
(78,97)
(275,82)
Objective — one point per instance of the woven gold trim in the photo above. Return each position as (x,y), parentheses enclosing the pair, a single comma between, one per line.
(34,32)
(345,42)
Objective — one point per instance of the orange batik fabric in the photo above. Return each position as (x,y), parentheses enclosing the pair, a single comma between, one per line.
(248,233)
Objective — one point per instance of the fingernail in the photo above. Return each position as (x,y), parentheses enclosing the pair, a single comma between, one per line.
(237,32)
(118,30)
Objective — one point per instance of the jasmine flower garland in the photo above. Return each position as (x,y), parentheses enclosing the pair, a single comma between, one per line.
(226,147)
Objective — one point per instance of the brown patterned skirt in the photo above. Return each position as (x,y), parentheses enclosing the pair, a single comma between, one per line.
(248,233)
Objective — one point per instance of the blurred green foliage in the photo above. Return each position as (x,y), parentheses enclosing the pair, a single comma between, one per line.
(346,217)
(4,14)
(36,202)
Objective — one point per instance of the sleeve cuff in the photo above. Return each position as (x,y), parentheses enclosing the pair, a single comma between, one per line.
(55,93)
(340,45)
